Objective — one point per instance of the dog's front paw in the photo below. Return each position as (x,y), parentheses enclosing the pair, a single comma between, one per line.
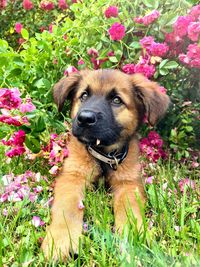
(57,246)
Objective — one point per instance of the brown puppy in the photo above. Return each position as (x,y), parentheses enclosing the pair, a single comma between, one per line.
(108,107)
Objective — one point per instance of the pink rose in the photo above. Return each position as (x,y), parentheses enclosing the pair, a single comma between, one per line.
(158,49)
(27,4)
(181,25)
(194,31)
(117,31)
(148,19)
(69,70)
(147,41)
(27,107)
(3,4)
(146,69)
(10,98)
(129,68)
(18,27)
(62,4)
(111,11)
(45,5)
(195,12)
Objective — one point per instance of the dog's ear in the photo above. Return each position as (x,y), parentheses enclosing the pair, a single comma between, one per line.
(65,88)
(149,95)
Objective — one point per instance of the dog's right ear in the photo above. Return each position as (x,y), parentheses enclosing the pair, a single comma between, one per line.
(65,89)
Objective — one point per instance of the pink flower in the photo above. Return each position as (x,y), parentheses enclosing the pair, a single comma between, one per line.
(110,53)
(184,59)
(183,183)
(181,25)
(163,89)
(111,11)
(158,49)
(129,68)
(146,69)
(15,121)
(195,164)
(148,19)
(36,221)
(80,205)
(27,107)
(194,31)
(53,170)
(93,52)
(172,37)
(10,98)
(195,12)
(117,31)
(81,62)
(18,27)
(147,41)
(62,4)
(149,180)
(27,4)
(45,5)
(17,139)
(85,227)
(192,58)
(5,212)
(51,28)
(3,4)
(69,70)
(152,147)
(16,151)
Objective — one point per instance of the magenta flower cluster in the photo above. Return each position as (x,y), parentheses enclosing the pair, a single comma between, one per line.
(152,147)
(17,188)
(111,11)
(148,19)
(183,40)
(56,151)
(10,101)
(16,142)
(117,31)
(153,48)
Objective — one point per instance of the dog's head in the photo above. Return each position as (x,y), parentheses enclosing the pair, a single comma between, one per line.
(108,106)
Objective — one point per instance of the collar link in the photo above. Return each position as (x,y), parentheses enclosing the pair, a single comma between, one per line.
(113,159)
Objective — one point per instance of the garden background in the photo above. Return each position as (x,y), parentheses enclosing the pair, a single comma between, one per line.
(41,41)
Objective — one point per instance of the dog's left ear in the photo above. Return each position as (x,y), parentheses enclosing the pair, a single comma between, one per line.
(65,88)
(148,94)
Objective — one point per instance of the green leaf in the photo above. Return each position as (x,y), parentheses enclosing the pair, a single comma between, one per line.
(40,125)
(163,72)
(25,34)
(135,45)
(33,144)
(151,4)
(168,19)
(171,65)
(113,59)
(163,63)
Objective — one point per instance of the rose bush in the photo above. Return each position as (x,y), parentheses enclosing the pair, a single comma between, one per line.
(161,44)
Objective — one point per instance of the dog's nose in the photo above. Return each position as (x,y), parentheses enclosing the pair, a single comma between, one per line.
(86,118)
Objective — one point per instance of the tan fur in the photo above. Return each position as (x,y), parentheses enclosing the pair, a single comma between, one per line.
(80,168)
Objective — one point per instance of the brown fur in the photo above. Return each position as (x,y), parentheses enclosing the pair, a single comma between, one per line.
(80,169)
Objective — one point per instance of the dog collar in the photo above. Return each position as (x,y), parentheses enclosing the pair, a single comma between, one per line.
(113,159)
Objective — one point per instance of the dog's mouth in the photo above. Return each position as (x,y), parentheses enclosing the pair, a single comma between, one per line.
(90,141)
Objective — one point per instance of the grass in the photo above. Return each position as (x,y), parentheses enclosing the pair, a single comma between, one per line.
(171,237)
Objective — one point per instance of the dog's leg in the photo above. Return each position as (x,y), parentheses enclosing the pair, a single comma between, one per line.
(128,200)
(67,209)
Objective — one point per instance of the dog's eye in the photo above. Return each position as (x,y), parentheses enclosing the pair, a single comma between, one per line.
(84,96)
(117,101)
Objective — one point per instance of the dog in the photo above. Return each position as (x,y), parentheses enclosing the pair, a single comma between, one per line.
(107,109)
